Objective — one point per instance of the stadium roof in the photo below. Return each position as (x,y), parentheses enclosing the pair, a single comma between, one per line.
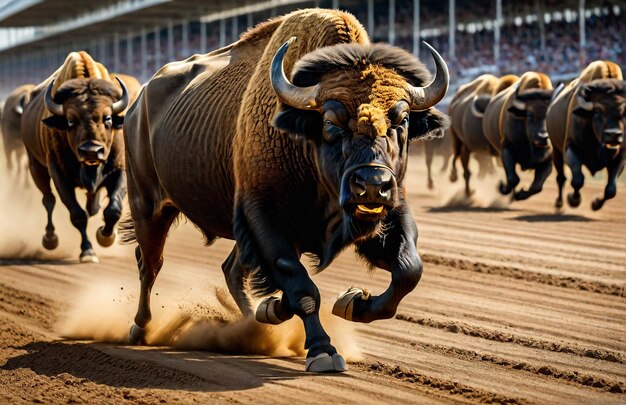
(27,13)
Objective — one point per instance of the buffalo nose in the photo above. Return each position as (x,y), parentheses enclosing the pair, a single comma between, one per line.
(91,152)
(372,183)
(542,135)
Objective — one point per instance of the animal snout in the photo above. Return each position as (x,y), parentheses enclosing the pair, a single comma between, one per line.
(372,183)
(613,137)
(541,139)
(91,152)
(368,190)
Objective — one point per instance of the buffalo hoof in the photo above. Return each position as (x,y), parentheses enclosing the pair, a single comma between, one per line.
(344,306)
(326,363)
(431,185)
(521,195)
(453,177)
(596,204)
(105,241)
(504,188)
(50,242)
(268,312)
(137,335)
(558,203)
(573,200)
(89,256)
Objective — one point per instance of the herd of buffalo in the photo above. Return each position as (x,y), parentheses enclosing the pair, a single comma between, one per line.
(294,141)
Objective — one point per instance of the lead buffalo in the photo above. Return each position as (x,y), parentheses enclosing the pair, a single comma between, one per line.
(11,124)
(310,164)
(514,123)
(466,112)
(72,135)
(586,127)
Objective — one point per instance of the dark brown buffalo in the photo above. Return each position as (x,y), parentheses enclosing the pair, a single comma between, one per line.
(310,161)
(466,118)
(11,124)
(586,128)
(73,136)
(514,123)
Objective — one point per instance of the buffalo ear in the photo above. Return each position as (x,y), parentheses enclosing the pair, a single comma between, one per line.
(481,102)
(518,109)
(582,112)
(118,121)
(55,122)
(301,124)
(429,124)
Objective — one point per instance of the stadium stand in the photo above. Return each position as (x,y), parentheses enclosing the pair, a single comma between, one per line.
(139,36)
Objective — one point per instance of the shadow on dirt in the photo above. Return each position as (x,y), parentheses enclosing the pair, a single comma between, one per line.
(123,367)
(552,218)
(32,262)
(466,208)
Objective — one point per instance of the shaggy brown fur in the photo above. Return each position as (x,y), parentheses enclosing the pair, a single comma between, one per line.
(209,138)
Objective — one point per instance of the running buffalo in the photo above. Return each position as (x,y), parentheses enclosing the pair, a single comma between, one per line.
(72,135)
(287,147)
(515,125)
(586,128)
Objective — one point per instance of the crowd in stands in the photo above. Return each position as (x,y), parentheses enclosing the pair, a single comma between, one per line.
(520,44)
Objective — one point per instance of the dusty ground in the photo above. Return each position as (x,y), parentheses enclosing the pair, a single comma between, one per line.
(516,305)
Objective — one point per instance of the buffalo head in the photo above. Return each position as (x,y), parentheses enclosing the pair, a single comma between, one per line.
(87,111)
(603,101)
(531,105)
(359,106)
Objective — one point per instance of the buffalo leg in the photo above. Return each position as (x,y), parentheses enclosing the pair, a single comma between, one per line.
(457,146)
(396,252)
(300,295)
(512,179)
(467,174)
(614,169)
(78,216)
(542,171)
(429,151)
(42,180)
(116,189)
(578,179)
(151,232)
(557,156)
(235,274)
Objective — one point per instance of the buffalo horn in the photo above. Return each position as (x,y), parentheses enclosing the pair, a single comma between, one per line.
(422,98)
(121,104)
(51,105)
(584,103)
(303,98)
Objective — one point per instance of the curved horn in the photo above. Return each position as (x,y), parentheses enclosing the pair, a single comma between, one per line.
(422,98)
(121,104)
(19,108)
(51,105)
(474,108)
(583,103)
(303,98)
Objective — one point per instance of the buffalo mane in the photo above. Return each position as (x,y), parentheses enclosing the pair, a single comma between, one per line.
(309,70)
(81,89)
(605,86)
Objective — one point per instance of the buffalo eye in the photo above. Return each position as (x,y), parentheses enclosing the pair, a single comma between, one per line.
(108,121)
(332,132)
(70,123)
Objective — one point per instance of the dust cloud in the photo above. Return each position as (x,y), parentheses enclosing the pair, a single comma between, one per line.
(23,220)
(190,319)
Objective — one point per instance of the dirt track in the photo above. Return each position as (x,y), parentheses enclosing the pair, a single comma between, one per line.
(516,305)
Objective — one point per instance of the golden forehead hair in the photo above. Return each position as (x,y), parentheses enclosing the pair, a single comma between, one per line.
(371,120)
